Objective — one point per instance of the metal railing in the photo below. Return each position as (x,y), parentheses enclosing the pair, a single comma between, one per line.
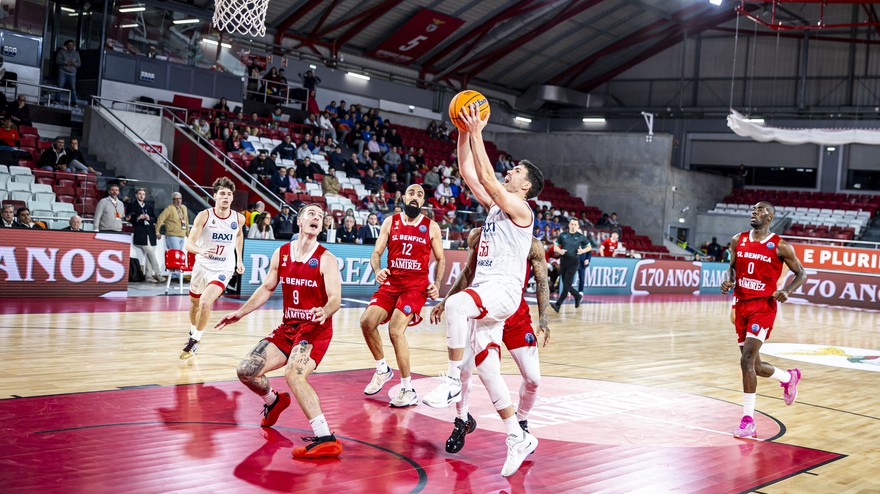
(864,244)
(197,191)
(115,105)
(8,84)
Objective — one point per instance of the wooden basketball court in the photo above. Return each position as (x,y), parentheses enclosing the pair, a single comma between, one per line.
(639,394)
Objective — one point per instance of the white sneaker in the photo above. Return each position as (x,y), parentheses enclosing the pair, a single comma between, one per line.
(445,394)
(405,398)
(517,451)
(378,381)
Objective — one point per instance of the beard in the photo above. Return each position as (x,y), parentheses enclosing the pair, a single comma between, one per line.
(411,211)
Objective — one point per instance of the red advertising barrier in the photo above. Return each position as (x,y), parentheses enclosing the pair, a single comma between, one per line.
(839,258)
(63,264)
(418,36)
(858,291)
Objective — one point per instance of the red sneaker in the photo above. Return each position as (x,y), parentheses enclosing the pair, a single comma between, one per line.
(320,447)
(273,411)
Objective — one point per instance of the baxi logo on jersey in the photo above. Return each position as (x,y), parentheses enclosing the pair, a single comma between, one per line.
(313,262)
(226,237)
(771,245)
(423,228)
(234,226)
(489,227)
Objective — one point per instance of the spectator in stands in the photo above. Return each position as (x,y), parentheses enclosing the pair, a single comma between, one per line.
(420,157)
(392,185)
(394,139)
(222,105)
(54,157)
(368,233)
(312,103)
(373,148)
(377,171)
(233,143)
(337,159)
(433,130)
(325,123)
(347,233)
(503,164)
(612,221)
(262,228)
(216,129)
(20,112)
(74,224)
(603,221)
(443,189)
(410,169)
(110,211)
(303,151)
(309,80)
(283,224)
(444,132)
(68,63)
(228,130)
(540,220)
(328,229)
(371,181)
(175,219)
(585,221)
(714,249)
(330,183)
(303,172)
(259,208)
(286,149)
(247,147)
(610,245)
(77,159)
(8,216)
(23,215)
(314,143)
(432,178)
(447,220)
(280,182)
(201,128)
(445,170)
(262,167)
(353,166)
(391,160)
(143,218)
(739,178)
(253,85)
(313,168)
(254,122)
(282,85)
(333,108)
(9,136)
(725,256)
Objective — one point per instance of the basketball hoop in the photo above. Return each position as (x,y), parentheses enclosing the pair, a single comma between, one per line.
(247,17)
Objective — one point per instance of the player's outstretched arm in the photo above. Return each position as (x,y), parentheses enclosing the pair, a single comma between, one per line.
(258,298)
(512,205)
(786,252)
(378,249)
(467,170)
(465,276)
(440,256)
(729,283)
(189,244)
(333,286)
(239,245)
(542,284)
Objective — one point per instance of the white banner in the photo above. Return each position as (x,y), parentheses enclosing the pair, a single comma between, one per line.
(742,127)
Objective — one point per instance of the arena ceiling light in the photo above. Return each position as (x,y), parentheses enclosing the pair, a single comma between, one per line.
(593,120)
(522,119)
(358,76)
(67,9)
(715,2)
(210,41)
(132,8)
(226,45)
(755,120)
(186,21)
(128,26)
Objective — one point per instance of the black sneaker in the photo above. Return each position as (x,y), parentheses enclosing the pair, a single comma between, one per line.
(555,307)
(524,424)
(189,350)
(462,428)
(577,300)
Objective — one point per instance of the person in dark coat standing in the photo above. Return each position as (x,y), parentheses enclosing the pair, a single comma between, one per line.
(142,217)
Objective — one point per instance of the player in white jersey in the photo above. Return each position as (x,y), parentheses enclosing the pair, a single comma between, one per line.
(477,314)
(217,240)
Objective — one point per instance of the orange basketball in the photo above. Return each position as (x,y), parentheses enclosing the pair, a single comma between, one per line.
(464,99)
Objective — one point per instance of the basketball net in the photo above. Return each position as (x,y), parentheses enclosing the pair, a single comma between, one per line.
(247,17)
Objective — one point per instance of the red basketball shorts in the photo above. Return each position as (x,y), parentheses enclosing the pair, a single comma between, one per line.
(287,335)
(518,331)
(406,299)
(754,318)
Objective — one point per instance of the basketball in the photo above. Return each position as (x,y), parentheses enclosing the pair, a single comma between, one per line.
(464,99)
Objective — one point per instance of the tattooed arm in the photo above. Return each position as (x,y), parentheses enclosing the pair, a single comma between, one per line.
(539,268)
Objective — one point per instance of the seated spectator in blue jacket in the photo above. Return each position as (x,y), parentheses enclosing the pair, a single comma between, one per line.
(280,181)
(286,150)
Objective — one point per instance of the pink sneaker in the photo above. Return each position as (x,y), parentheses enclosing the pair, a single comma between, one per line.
(789,389)
(747,429)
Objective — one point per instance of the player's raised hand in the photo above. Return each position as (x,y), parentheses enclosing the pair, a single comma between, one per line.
(231,318)
(382,275)
(433,291)
(471,118)
(319,315)
(437,312)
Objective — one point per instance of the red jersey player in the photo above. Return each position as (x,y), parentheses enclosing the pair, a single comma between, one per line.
(312,291)
(756,265)
(610,245)
(518,337)
(403,289)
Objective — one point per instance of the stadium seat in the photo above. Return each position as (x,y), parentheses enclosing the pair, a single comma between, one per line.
(177,261)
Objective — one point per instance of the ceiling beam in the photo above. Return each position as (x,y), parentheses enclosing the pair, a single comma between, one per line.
(329,10)
(293,17)
(371,15)
(872,16)
(486,60)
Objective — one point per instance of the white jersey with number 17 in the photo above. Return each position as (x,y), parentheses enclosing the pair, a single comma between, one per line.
(218,239)
(503,251)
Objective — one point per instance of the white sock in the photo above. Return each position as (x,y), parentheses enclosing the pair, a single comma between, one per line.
(197,335)
(749,404)
(406,382)
(454,369)
(382,366)
(319,426)
(463,413)
(192,329)
(513,428)
(781,375)
(270,397)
